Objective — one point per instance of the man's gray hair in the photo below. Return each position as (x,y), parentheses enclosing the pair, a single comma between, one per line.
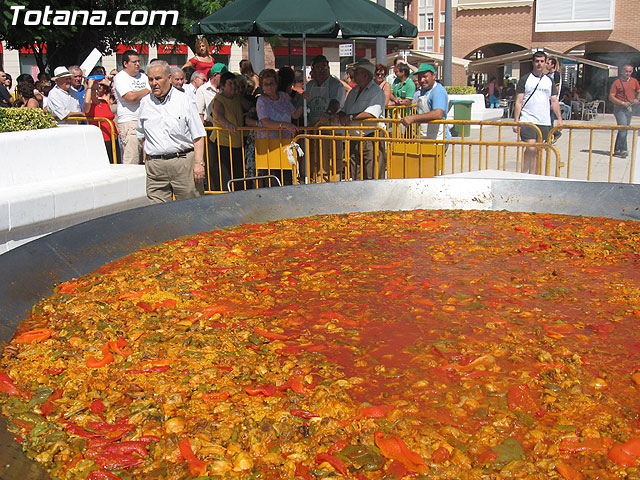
(74,67)
(162,64)
(173,70)
(197,74)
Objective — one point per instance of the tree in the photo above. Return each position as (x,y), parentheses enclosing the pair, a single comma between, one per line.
(69,44)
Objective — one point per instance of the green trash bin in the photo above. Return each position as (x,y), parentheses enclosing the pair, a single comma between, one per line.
(462,111)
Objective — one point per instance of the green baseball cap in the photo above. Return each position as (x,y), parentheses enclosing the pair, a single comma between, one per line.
(218,68)
(426,67)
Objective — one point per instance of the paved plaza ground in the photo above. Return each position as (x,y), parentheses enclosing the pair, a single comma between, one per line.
(573,146)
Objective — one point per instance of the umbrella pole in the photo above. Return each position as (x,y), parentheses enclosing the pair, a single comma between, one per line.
(304,73)
(304,82)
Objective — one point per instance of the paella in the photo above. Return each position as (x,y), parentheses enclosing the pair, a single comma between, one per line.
(422,344)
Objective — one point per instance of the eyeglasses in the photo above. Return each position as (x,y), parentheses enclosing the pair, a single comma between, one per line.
(379,74)
(268,84)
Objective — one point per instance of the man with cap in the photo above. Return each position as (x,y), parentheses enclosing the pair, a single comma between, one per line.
(325,95)
(365,100)
(129,87)
(62,100)
(172,170)
(432,104)
(207,92)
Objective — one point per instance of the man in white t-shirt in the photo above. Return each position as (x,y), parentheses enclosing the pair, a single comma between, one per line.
(63,101)
(534,93)
(129,86)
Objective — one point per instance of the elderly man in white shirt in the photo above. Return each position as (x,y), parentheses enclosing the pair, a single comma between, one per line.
(365,100)
(171,128)
(63,100)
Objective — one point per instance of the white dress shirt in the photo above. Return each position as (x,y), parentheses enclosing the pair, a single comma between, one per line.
(170,125)
(62,103)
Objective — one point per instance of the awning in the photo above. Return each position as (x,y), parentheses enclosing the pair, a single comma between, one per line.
(478,4)
(490,64)
(417,56)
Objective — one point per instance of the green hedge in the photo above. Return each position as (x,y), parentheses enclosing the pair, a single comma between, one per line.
(458,90)
(14,119)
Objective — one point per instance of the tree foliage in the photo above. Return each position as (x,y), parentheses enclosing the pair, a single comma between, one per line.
(70,44)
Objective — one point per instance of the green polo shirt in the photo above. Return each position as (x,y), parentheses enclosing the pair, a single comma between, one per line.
(403,90)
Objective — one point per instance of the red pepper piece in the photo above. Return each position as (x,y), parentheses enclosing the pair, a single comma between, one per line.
(97,406)
(172,266)
(119,461)
(158,368)
(149,438)
(304,472)
(375,411)
(118,345)
(102,427)
(102,475)
(394,448)
(270,335)
(53,371)
(192,242)
(7,386)
(441,455)
(602,329)
(488,457)
(211,310)
(626,454)
(534,248)
(196,466)
(396,470)
(337,447)
(297,412)
(68,288)
(126,448)
(168,303)
(93,362)
(266,390)
(295,385)
(335,462)
(568,472)
(573,252)
(519,397)
(32,336)
(146,306)
(589,445)
(215,396)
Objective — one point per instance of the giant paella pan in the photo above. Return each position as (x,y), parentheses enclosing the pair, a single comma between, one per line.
(442,328)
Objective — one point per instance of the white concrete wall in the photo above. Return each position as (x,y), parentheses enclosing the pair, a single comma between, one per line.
(58,177)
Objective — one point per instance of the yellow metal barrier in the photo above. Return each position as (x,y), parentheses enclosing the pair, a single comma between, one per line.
(112,129)
(461,156)
(572,130)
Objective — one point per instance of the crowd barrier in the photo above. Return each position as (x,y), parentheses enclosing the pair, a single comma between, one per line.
(246,159)
(611,131)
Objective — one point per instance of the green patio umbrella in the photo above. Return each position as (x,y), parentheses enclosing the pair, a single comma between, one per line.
(305,18)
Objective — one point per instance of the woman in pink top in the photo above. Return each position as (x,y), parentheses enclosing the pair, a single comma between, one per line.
(202,61)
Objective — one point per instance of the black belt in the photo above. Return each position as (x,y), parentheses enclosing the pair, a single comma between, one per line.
(167,156)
